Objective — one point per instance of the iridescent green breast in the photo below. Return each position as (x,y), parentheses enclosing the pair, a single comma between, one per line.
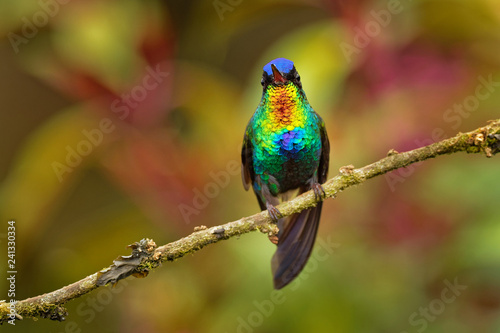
(286,139)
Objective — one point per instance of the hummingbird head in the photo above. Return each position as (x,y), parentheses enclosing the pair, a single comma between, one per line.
(280,71)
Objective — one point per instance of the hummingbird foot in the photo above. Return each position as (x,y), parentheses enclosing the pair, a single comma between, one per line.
(319,192)
(274,213)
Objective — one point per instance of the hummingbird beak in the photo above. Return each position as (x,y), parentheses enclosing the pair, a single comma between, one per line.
(277,77)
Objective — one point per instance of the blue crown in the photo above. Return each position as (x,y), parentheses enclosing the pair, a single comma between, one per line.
(282,64)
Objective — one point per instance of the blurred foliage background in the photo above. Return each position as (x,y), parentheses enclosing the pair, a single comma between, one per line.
(383,74)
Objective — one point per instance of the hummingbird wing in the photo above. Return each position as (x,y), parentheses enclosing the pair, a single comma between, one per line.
(247,172)
(298,232)
(324,160)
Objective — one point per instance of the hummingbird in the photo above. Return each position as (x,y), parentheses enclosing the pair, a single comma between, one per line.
(285,152)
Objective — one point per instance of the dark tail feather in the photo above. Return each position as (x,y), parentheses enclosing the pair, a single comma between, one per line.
(295,243)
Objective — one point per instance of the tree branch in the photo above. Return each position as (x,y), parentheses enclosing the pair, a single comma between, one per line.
(146,256)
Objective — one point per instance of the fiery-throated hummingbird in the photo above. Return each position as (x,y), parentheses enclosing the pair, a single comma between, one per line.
(286,151)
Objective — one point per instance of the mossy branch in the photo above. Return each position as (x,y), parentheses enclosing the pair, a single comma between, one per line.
(146,256)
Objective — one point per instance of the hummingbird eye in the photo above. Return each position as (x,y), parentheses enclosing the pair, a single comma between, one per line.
(297,76)
(262,81)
